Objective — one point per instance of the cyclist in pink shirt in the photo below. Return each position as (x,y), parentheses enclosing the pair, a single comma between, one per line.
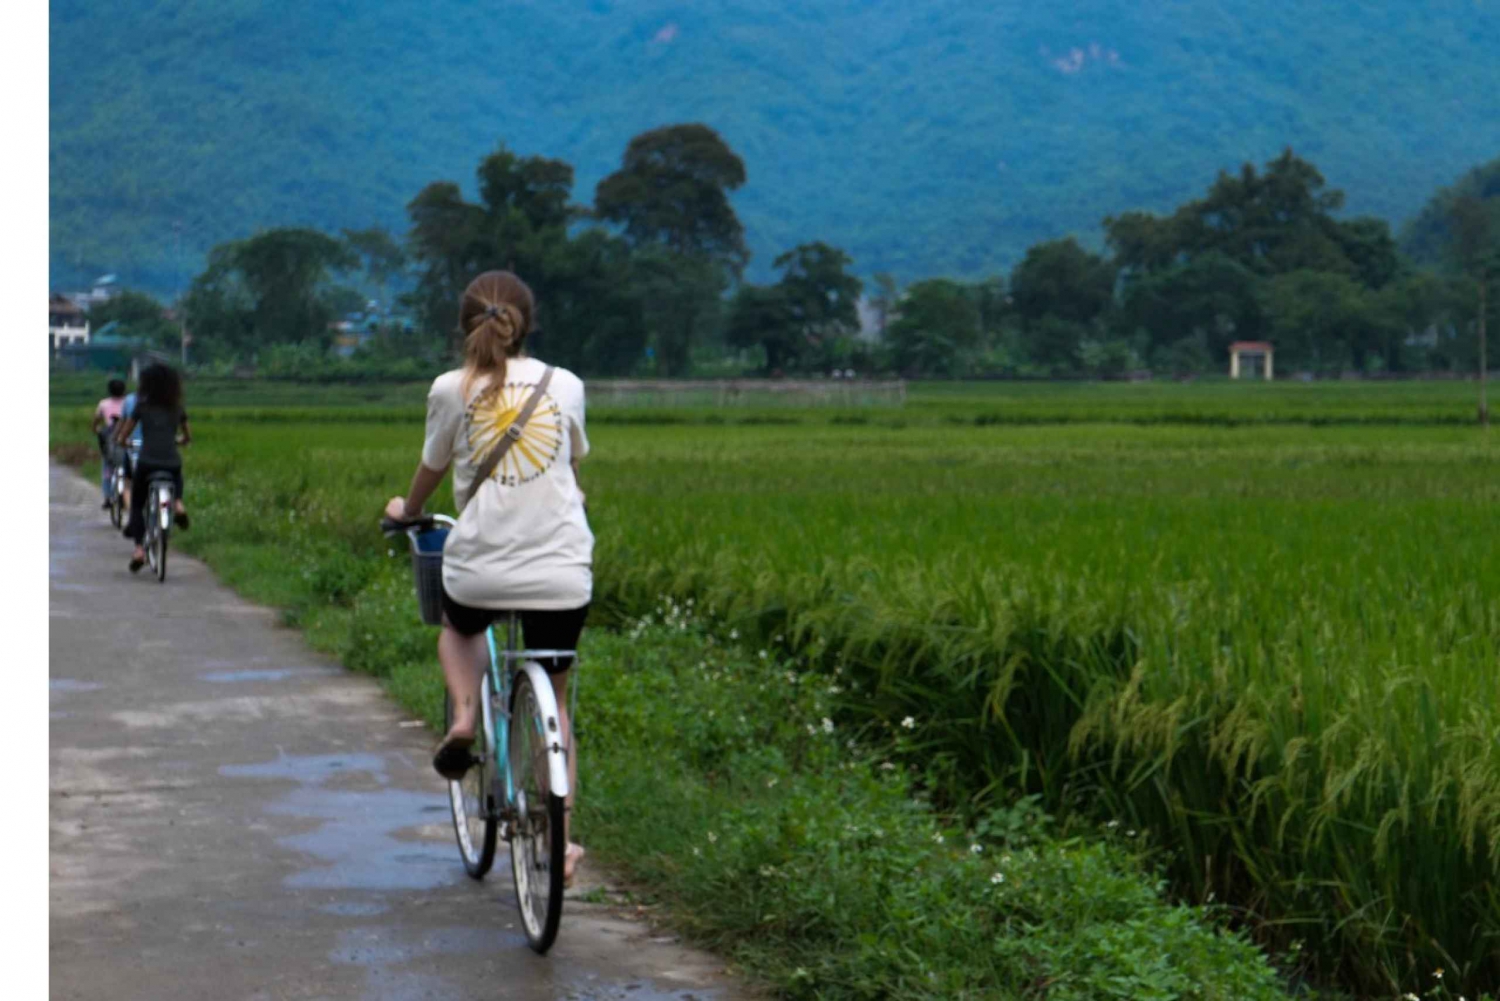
(106,415)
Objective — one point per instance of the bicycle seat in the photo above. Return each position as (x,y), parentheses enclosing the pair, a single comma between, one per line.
(160,476)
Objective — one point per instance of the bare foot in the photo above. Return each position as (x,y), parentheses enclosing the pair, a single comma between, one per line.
(574,856)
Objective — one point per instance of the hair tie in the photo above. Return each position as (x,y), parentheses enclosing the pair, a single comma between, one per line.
(492,311)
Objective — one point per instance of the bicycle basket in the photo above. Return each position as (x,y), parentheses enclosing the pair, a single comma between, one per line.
(427,569)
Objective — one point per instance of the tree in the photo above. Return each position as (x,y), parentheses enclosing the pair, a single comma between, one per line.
(1059,278)
(680,298)
(139,315)
(1428,237)
(1210,296)
(221,308)
(590,314)
(446,239)
(1320,320)
(1475,250)
(761,317)
(379,253)
(672,189)
(285,272)
(1059,291)
(821,295)
(939,325)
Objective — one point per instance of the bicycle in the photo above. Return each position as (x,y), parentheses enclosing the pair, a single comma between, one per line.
(161,497)
(119,482)
(520,795)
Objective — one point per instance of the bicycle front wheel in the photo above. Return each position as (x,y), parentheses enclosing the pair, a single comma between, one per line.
(159,562)
(472,797)
(538,837)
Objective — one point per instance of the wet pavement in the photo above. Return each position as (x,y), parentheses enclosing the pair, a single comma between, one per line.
(234,817)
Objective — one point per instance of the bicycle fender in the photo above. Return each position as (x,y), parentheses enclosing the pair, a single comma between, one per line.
(557,758)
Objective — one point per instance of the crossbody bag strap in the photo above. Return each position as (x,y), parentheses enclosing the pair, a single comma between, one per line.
(511,436)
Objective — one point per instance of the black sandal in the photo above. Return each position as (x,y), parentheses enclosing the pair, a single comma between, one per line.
(135,565)
(452,759)
(182,521)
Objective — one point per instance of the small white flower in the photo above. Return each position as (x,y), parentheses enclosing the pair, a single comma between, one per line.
(1130,834)
(771,782)
(776,638)
(886,766)
(937,837)
(812,730)
(976,848)
(696,850)
(763,655)
(767,871)
(997,878)
(712,838)
(827,725)
(734,634)
(390,552)
(1438,973)
(791,677)
(1112,824)
(909,723)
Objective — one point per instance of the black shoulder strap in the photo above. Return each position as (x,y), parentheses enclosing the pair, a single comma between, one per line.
(510,437)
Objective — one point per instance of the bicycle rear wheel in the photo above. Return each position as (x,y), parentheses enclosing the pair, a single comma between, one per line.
(538,838)
(472,798)
(116,501)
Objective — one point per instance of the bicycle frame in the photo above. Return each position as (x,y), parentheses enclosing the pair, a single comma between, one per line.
(502,676)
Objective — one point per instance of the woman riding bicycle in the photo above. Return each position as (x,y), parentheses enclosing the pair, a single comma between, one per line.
(522,542)
(106,415)
(159,415)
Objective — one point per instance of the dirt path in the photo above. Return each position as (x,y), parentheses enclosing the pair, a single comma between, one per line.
(235,817)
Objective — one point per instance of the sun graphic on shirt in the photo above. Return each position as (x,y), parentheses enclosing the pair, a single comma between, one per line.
(534,452)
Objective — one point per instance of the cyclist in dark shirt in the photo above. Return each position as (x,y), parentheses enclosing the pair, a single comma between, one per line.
(159,414)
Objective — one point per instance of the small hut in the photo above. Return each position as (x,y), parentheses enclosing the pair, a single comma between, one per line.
(1251,359)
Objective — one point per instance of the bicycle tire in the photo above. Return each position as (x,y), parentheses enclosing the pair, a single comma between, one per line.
(116,503)
(471,800)
(538,836)
(161,557)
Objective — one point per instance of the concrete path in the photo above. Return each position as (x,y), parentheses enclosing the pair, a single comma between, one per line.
(235,817)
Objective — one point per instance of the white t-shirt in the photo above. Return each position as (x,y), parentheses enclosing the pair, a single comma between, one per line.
(526,544)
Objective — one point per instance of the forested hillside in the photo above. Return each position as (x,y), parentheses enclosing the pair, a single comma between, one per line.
(925,139)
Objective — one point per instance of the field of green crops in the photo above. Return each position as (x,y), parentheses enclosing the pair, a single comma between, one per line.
(1258,624)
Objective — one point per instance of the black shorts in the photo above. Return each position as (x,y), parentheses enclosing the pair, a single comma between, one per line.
(540,629)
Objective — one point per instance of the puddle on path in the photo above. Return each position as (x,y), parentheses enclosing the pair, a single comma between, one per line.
(357,846)
(71,685)
(263,674)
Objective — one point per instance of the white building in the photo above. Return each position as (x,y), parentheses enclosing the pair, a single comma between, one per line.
(66,324)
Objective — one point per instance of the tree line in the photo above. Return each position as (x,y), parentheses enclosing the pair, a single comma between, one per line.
(649,279)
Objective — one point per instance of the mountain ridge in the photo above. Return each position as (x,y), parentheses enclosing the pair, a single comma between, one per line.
(936,140)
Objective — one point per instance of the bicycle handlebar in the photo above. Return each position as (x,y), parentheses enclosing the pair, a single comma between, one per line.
(390,526)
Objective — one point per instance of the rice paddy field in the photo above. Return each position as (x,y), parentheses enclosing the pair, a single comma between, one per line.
(1257,626)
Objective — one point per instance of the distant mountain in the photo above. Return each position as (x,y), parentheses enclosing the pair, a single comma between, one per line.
(938,137)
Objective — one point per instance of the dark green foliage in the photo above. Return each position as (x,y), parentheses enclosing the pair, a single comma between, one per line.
(805,321)
(138,315)
(1428,237)
(937,328)
(672,189)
